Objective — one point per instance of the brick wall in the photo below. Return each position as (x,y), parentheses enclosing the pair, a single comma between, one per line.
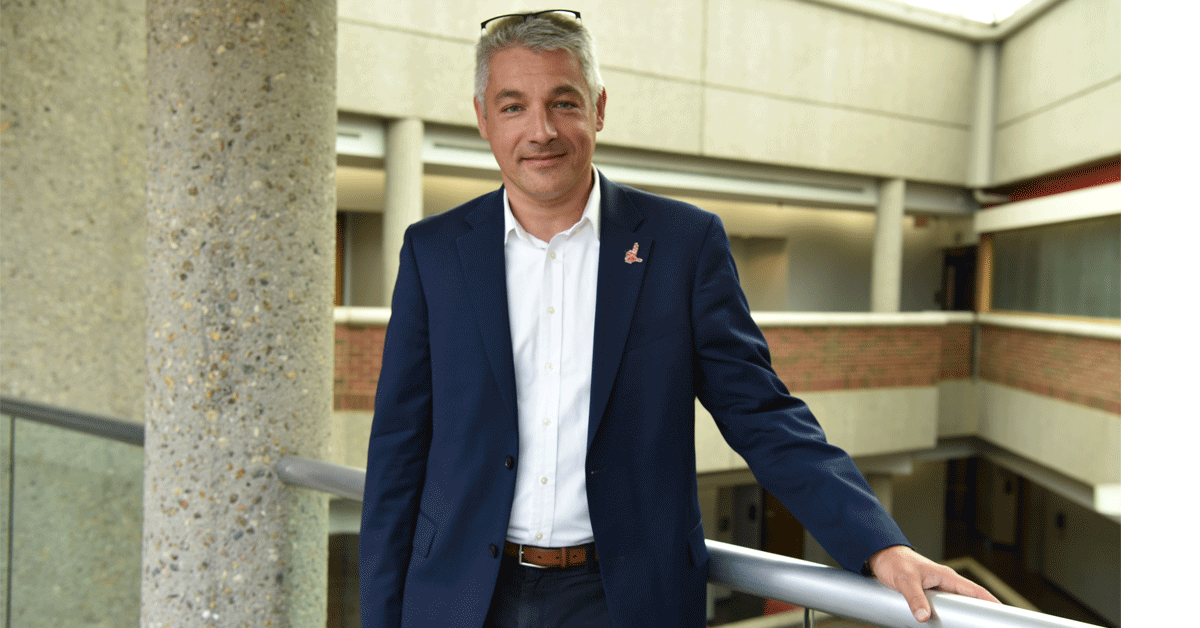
(957,352)
(358,353)
(1081,370)
(806,358)
(846,358)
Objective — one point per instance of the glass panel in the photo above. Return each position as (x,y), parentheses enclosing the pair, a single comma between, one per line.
(1069,269)
(76,504)
(5,505)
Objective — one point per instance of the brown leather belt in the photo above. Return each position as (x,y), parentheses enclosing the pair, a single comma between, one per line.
(543,557)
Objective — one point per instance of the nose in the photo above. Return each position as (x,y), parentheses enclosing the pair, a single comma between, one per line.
(543,130)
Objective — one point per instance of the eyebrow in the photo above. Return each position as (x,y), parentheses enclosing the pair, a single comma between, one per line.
(557,91)
(508,93)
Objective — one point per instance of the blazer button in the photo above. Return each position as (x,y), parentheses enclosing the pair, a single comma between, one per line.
(493,550)
(509,462)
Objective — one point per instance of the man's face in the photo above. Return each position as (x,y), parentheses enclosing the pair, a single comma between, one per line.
(541,125)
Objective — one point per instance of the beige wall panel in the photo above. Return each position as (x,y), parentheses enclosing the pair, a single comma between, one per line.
(762,265)
(712,452)
(662,37)
(457,19)
(665,38)
(1076,440)
(823,55)
(349,437)
(1077,131)
(393,73)
(958,408)
(740,125)
(878,420)
(863,422)
(652,113)
(1071,49)
(72,221)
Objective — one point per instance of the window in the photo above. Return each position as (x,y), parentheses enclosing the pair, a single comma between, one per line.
(1071,269)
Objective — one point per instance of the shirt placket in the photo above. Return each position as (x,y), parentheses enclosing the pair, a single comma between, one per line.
(550,332)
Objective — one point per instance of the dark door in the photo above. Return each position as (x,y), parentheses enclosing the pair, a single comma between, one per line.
(958,279)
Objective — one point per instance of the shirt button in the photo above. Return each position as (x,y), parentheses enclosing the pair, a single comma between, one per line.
(549,366)
(544,480)
(493,550)
(553,255)
(538,536)
(509,462)
(545,421)
(550,309)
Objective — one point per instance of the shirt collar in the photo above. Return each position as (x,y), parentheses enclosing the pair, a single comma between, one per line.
(591,214)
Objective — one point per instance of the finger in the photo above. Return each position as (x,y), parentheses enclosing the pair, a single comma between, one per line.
(915,596)
(962,586)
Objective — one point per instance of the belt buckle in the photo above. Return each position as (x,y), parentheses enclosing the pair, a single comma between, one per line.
(521,559)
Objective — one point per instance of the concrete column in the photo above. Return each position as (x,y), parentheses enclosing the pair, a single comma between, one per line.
(239,345)
(888,251)
(72,305)
(983,115)
(404,200)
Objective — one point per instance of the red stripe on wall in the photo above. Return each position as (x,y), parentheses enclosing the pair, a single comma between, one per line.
(1076,179)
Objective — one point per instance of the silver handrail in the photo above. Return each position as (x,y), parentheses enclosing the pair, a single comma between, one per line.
(343,481)
(826,589)
(94,424)
(813,586)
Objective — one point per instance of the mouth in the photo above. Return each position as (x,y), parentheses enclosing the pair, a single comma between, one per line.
(542,160)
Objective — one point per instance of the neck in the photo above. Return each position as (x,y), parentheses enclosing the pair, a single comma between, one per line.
(546,219)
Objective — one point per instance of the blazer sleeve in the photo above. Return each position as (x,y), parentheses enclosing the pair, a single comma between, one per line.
(776,433)
(398,449)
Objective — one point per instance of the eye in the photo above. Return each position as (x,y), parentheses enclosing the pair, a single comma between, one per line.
(510,109)
(566,104)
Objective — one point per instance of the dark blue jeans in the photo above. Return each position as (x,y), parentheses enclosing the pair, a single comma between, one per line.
(528,597)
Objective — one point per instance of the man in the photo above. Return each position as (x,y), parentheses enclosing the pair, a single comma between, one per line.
(532,455)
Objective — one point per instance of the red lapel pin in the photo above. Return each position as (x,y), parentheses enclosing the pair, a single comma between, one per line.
(631,255)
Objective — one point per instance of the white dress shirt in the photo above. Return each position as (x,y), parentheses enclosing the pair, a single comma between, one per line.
(552,314)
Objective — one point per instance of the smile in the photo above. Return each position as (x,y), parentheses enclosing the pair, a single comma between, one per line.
(542,160)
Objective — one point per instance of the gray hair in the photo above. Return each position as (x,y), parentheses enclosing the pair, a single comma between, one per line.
(551,31)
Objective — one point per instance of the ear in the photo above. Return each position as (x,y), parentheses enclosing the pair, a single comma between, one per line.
(480,118)
(600,103)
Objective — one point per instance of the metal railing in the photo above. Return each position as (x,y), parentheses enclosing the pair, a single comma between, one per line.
(810,585)
(94,424)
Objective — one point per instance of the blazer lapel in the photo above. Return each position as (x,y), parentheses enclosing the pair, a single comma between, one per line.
(618,285)
(481,251)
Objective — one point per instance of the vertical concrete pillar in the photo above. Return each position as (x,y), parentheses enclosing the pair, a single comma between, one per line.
(72,305)
(404,200)
(983,115)
(888,251)
(239,348)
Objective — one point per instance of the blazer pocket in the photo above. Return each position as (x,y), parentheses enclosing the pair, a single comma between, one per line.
(423,535)
(641,335)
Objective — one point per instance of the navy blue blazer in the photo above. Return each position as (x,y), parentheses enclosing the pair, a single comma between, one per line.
(441,464)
